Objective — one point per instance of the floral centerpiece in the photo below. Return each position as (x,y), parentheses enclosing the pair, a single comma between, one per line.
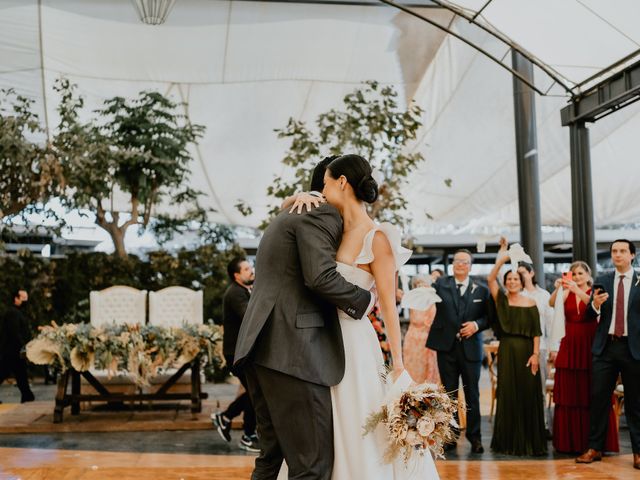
(417,420)
(142,351)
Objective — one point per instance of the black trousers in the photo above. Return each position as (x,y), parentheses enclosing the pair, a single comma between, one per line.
(16,367)
(615,359)
(453,365)
(242,405)
(294,423)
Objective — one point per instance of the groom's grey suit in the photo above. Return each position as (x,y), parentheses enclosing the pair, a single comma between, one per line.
(290,343)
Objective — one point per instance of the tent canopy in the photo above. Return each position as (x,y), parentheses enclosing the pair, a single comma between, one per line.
(245,67)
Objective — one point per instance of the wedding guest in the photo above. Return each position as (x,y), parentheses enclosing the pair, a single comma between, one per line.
(436,274)
(573,367)
(421,362)
(519,421)
(456,334)
(541,297)
(616,350)
(234,306)
(14,336)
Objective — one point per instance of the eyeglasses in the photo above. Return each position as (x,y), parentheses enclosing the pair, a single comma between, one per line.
(462,262)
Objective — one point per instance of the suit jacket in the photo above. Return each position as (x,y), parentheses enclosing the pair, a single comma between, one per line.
(234,306)
(15,332)
(606,316)
(453,311)
(291,324)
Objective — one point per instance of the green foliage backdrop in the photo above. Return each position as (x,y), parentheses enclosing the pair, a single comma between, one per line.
(59,288)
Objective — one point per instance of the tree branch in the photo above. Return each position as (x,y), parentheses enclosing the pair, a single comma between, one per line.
(134,213)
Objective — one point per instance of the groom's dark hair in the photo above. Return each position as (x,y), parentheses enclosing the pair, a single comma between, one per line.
(317,177)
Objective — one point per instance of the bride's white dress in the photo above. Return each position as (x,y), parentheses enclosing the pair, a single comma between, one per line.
(362,389)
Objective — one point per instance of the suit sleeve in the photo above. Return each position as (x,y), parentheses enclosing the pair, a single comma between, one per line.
(317,234)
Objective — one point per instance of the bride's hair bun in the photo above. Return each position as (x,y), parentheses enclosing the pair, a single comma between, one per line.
(358,173)
(367,189)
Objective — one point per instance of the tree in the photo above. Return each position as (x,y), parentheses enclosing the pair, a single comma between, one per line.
(137,149)
(372,125)
(29,173)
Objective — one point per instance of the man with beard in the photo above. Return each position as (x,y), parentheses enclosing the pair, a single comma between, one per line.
(234,305)
(14,335)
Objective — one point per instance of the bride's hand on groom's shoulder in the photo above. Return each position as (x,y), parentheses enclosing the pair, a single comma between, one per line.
(304,199)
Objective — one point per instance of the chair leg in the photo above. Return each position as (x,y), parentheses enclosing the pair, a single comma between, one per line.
(493,404)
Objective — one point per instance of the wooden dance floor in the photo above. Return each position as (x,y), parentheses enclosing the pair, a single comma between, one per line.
(40,464)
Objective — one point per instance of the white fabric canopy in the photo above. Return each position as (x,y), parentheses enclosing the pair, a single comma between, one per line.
(246,67)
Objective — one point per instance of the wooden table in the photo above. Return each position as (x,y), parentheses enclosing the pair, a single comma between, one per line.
(73,399)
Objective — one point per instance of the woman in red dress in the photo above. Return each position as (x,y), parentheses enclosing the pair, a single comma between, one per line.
(573,368)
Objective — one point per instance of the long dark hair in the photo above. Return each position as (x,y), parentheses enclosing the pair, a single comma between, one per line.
(357,171)
(506,274)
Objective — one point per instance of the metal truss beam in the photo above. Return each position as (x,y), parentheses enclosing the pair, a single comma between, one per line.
(604,98)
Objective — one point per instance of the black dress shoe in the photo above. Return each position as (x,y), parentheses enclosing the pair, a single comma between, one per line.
(476,447)
(447,447)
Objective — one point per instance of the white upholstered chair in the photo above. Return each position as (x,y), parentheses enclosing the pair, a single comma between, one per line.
(174,306)
(118,304)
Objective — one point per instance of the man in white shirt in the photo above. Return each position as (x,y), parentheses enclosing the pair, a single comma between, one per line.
(616,350)
(456,334)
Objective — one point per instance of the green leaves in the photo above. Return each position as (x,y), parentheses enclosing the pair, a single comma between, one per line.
(371,124)
(29,173)
(139,147)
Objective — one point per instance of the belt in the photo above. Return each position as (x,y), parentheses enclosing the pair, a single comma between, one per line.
(613,338)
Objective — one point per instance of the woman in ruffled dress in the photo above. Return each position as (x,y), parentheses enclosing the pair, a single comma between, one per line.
(518,427)
(572,381)
(421,362)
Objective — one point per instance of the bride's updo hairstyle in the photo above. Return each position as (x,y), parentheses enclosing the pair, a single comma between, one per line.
(357,171)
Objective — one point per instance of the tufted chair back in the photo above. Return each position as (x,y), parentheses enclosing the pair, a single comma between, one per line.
(119,304)
(173,306)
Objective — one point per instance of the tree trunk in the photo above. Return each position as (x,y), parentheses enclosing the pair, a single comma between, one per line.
(117,236)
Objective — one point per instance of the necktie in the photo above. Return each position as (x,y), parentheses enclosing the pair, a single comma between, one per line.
(618,329)
(459,285)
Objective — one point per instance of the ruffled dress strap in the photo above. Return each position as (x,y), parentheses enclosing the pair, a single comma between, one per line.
(513,320)
(401,255)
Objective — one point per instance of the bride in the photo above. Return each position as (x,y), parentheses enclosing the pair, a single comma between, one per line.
(369,256)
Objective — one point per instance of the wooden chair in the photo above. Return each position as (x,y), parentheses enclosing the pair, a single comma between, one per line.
(491,350)
(549,385)
(618,400)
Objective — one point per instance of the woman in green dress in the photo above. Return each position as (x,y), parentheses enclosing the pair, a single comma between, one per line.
(518,427)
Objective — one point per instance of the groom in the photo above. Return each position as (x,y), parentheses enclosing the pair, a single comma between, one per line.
(290,343)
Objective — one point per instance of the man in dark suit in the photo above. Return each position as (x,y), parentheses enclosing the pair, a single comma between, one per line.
(290,342)
(234,306)
(616,350)
(14,336)
(456,336)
